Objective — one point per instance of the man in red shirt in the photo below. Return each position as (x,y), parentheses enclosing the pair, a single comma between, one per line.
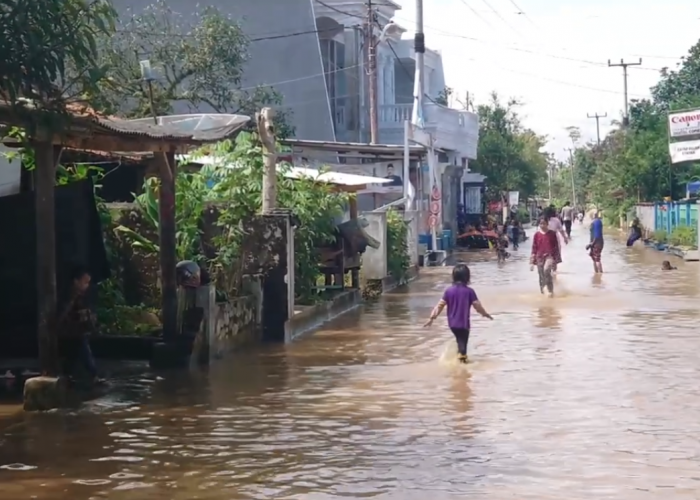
(545,255)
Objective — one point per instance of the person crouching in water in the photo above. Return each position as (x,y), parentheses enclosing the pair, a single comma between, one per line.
(545,254)
(502,245)
(75,325)
(666,266)
(459,300)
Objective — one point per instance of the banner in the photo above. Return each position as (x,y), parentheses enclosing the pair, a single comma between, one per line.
(684,151)
(513,198)
(684,124)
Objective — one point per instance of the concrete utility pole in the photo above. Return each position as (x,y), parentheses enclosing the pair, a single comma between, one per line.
(622,64)
(371,45)
(573,184)
(597,124)
(266,131)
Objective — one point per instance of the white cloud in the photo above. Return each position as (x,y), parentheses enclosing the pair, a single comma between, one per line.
(554,57)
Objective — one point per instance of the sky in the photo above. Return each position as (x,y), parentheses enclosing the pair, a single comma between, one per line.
(552,55)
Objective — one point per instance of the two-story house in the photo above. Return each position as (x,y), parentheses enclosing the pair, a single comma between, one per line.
(313,53)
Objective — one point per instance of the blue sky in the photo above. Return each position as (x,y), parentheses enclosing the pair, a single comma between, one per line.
(553,56)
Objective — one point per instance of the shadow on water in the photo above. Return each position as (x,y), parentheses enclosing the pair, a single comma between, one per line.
(591,394)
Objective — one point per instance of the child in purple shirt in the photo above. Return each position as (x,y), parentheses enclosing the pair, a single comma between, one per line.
(459,299)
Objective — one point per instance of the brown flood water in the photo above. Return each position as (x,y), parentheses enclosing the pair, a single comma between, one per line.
(592,394)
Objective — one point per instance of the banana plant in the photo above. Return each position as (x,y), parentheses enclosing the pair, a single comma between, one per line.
(189,203)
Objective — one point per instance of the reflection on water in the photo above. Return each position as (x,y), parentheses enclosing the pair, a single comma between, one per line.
(591,394)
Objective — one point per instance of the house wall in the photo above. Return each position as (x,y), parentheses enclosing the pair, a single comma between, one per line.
(291,65)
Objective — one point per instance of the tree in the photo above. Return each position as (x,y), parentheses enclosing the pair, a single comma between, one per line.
(198,60)
(445,96)
(49,50)
(508,154)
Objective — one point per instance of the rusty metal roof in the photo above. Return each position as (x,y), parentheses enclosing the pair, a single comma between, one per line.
(86,122)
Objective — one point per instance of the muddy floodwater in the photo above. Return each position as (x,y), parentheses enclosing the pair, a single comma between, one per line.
(594,394)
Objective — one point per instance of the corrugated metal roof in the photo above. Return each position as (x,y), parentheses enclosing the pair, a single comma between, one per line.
(356,147)
(331,177)
(178,128)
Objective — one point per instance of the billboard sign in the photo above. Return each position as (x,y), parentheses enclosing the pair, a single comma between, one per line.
(684,124)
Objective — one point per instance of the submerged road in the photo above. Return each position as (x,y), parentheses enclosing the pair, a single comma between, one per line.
(592,394)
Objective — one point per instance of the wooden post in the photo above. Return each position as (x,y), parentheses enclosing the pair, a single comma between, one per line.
(45,226)
(266,131)
(167,240)
(354,273)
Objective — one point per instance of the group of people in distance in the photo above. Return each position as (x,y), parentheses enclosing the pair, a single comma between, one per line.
(460,298)
(546,244)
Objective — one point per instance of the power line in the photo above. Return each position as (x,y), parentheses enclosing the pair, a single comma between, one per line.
(523,50)
(476,13)
(335,9)
(597,123)
(502,18)
(521,11)
(622,64)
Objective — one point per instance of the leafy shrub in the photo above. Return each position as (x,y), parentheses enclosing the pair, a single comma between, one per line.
(398,259)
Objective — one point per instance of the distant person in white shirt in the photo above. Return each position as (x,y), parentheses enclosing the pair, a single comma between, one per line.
(556,226)
(567,215)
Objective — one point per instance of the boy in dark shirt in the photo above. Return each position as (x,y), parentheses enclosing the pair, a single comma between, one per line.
(75,324)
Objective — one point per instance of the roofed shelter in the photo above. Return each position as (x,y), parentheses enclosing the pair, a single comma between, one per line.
(85,130)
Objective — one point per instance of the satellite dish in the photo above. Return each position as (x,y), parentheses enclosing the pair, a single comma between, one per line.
(199,122)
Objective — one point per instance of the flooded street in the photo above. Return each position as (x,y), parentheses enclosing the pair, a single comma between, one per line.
(592,394)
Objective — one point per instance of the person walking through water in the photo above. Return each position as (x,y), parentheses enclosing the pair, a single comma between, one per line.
(635,232)
(515,232)
(545,254)
(555,225)
(595,247)
(567,216)
(75,325)
(459,300)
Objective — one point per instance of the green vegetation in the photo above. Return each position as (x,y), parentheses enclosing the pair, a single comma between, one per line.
(398,259)
(508,154)
(632,164)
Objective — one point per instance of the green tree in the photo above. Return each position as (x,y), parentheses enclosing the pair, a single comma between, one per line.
(508,154)
(49,50)
(198,60)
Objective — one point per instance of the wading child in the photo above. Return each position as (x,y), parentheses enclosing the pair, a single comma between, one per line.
(75,325)
(545,254)
(501,244)
(459,299)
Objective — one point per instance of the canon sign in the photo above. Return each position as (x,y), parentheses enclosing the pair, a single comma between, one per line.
(684,124)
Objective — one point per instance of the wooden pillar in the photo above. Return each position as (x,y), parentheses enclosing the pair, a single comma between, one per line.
(354,273)
(45,226)
(167,240)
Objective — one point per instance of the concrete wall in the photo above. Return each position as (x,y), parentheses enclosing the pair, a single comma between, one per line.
(291,65)
(234,325)
(225,325)
(646,215)
(374,260)
(412,217)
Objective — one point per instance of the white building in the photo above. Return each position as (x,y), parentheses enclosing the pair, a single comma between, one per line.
(340,26)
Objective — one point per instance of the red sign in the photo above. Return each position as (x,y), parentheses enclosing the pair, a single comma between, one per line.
(435,207)
(432,221)
(436,195)
(495,206)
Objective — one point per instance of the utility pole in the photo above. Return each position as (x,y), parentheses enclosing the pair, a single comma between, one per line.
(266,131)
(573,184)
(597,124)
(371,45)
(622,64)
